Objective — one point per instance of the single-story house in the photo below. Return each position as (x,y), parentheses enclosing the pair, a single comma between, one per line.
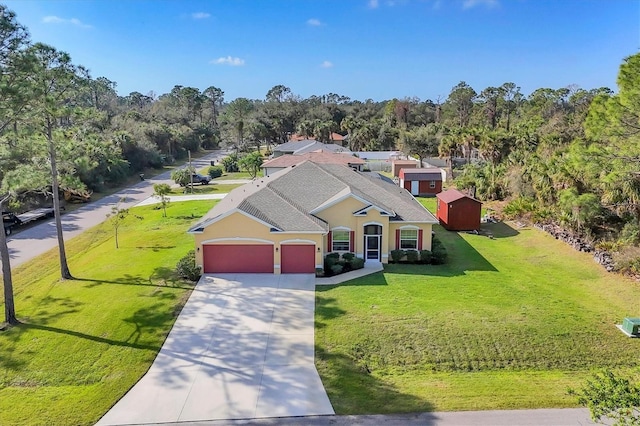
(457,211)
(397,165)
(287,222)
(421,182)
(318,157)
(307,145)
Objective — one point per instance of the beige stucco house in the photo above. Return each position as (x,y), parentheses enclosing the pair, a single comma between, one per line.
(287,222)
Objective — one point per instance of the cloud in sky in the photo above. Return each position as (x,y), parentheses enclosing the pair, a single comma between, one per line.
(72,21)
(373,4)
(200,15)
(314,22)
(326,64)
(469,4)
(229,60)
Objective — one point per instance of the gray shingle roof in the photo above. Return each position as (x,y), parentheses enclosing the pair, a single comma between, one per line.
(309,145)
(286,199)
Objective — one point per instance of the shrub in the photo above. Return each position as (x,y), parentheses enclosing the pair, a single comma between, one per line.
(215,172)
(397,255)
(182,176)
(333,255)
(337,269)
(630,234)
(348,257)
(412,256)
(519,207)
(425,256)
(357,263)
(230,163)
(187,268)
(438,252)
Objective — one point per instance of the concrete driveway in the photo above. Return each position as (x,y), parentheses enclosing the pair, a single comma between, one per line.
(242,347)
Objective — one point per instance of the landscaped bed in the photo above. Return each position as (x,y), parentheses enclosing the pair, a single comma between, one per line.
(85,342)
(509,322)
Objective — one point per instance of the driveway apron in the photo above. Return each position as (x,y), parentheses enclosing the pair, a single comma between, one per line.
(242,347)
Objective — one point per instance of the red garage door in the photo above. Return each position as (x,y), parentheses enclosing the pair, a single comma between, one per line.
(298,259)
(244,258)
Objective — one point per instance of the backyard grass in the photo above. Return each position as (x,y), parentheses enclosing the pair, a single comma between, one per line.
(508,323)
(84,342)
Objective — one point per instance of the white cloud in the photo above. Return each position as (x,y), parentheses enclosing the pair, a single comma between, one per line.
(229,60)
(326,64)
(200,15)
(57,20)
(468,4)
(373,4)
(314,22)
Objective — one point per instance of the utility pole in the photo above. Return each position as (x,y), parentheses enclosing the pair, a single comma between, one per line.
(190,173)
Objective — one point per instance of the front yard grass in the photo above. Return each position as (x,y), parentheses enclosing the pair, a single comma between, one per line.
(508,323)
(211,188)
(84,342)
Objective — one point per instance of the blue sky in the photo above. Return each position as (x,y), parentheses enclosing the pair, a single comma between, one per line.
(378,49)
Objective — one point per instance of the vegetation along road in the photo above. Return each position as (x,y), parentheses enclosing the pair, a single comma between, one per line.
(39,239)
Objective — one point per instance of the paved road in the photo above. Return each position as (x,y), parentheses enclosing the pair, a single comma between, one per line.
(242,348)
(34,241)
(543,417)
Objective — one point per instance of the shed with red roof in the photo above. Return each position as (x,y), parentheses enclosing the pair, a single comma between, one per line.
(457,211)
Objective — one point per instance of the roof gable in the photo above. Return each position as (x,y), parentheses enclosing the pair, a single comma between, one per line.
(421,174)
(287,200)
(452,195)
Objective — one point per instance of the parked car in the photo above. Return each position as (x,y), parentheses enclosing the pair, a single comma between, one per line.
(201,179)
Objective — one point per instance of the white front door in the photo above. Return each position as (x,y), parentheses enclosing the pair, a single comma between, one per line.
(415,187)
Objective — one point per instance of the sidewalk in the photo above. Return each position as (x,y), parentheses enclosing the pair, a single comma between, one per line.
(547,417)
(369,268)
(178,198)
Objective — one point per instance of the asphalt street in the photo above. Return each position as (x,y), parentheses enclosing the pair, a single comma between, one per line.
(36,240)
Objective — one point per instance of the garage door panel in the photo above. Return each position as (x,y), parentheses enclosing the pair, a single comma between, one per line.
(298,258)
(240,258)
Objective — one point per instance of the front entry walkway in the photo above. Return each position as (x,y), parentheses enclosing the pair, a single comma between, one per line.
(242,347)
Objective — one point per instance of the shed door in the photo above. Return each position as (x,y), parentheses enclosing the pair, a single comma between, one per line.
(415,187)
(298,258)
(244,258)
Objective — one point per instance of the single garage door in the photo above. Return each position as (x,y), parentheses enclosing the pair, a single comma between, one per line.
(245,258)
(298,259)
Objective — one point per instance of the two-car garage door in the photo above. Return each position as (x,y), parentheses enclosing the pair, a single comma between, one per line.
(258,258)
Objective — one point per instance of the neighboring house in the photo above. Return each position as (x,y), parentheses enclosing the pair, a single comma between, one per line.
(334,137)
(421,181)
(380,155)
(288,222)
(307,145)
(457,211)
(320,157)
(397,165)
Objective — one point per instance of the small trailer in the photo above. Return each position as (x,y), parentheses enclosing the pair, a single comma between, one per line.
(11,220)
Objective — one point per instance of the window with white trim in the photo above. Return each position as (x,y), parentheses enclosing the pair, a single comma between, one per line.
(409,239)
(432,184)
(340,240)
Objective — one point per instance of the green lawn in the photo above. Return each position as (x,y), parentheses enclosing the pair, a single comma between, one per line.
(509,322)
(85,342)
(211,188)
(235,175)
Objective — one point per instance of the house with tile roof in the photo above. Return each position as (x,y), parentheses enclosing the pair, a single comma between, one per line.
(319,157)
(288,221)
